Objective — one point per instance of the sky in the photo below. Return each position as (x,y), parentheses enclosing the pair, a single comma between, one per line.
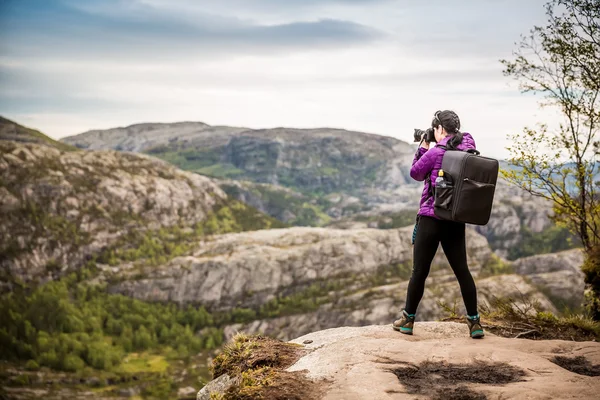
(377,66)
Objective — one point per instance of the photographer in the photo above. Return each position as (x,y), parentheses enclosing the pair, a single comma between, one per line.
(430,231)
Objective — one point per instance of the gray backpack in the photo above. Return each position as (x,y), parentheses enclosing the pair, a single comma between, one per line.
(470,183)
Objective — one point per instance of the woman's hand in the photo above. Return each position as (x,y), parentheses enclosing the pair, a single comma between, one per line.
(424,144)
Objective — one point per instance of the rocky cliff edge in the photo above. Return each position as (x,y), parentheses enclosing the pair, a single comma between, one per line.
(374,362)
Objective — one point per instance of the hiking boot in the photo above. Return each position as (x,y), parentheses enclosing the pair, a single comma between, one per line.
(475,328)
(405,323)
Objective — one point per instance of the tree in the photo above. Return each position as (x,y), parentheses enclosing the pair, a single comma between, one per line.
(561,61)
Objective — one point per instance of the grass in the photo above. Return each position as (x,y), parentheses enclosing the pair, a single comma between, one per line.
(495,266)
(22,134)
(524,318)
(221,171)
(257,364)
(144,362)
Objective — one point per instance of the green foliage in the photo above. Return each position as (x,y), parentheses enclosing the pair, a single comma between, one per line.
(551,240)
(495,266)
(523,317)
(23,134)
(221,171)
(393,272)
(561,62)
(160,389)
(67,325)
(308,208)
(32,365)
(189,159)
(399,219)
(310,215)
(591,270)
(306,300)
(158,246)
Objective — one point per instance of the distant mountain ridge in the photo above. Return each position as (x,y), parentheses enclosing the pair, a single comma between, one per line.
(323,160)
(320,177)
(10,130)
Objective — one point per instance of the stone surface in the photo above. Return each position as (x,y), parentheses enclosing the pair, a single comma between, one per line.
(251,268)
(381,305)
(355,363)
(558,274)
(219,385)
(186,392)
(58,207)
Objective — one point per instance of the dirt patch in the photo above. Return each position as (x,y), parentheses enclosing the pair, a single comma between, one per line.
(441,380)
(258,364)
(579,365)
(270,384)
(244,353)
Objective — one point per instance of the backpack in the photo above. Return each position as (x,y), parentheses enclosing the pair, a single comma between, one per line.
(470,185)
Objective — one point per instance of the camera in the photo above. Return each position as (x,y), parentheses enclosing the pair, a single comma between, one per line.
(427,135)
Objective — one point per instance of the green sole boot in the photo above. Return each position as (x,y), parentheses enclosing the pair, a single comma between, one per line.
(475,328)
(405,324)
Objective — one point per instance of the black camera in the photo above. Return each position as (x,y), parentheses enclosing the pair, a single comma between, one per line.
(427,135)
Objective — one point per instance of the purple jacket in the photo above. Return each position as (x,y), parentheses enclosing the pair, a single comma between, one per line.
(430,162)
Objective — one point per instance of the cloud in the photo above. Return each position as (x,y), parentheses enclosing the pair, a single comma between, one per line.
(129,30)
(380,66)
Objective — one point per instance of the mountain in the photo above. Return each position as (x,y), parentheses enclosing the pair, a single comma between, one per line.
(63,209)
(122,274)
(326,177)
(10,130)
(309,160)
(67,218)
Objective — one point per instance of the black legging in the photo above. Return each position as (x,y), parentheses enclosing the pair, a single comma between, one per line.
(430,232)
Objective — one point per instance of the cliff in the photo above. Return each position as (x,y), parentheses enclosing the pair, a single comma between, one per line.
(374,362)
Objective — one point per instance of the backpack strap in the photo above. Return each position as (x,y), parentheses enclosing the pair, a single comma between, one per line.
(431,193)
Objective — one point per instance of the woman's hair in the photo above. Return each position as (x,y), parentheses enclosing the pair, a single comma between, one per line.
(451,123)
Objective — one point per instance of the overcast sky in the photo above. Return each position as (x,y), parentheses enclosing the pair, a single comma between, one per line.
(378,66)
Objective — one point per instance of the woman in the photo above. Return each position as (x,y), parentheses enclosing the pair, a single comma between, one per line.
(431,231)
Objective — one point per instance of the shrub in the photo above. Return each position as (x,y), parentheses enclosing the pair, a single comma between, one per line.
(32,365)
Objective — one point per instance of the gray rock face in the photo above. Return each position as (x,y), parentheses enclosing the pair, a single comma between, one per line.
(513,210)
(140,137)
(251,268)
(59,207)
(557,274)
(217,386)
(382,305)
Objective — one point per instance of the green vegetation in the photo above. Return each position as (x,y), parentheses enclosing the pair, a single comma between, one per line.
(551,240)
(10,130)
(522,317)
(189,159)
(203,161)
(591,270)
(158,246)
(304,301)
(308,209)
(391,273)
(66,325)
(257,364)
(221,171)
(495,266)
(398,219)
(560,162)
(310,214)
